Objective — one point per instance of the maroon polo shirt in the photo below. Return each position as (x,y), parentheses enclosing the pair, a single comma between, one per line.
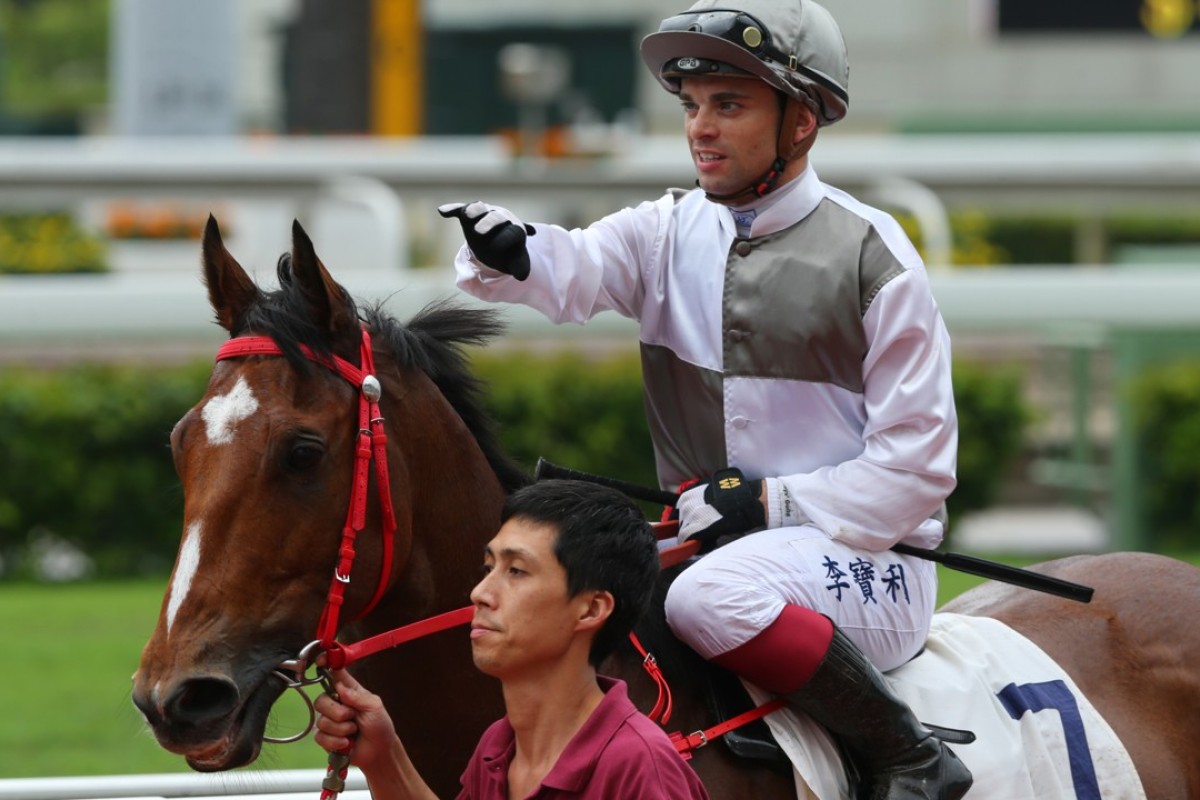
(618,754)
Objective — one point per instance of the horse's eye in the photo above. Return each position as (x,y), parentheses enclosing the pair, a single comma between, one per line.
(304,456)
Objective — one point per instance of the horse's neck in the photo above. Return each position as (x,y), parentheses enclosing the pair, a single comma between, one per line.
(447,501)
(458,513)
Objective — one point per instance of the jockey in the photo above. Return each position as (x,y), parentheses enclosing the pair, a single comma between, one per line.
(794,361)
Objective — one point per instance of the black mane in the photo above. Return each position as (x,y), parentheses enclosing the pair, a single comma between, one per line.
(432,341)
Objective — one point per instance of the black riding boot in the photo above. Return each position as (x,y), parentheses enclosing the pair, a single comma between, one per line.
(896,756)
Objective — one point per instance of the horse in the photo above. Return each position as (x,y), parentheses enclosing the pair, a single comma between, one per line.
(266,458)
(264,461)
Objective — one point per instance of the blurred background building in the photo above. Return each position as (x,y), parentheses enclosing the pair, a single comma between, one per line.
(405,67)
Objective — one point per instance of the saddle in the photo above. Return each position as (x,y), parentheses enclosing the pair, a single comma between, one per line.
(726,698)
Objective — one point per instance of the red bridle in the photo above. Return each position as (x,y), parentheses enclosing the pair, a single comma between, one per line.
(372,441)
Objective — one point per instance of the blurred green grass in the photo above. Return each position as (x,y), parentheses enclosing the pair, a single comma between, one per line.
(70,651)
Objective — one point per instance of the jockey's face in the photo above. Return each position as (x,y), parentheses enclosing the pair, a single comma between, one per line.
(732,127)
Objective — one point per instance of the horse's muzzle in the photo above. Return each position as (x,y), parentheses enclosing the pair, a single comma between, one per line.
(206,719)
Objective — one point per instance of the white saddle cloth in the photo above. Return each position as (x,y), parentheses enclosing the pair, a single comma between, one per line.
(1038,737)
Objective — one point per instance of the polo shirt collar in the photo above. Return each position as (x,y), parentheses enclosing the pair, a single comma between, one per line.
(575,766)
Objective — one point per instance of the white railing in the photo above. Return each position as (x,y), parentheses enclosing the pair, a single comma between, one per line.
(298,784)
(399,182)
(923,175)
(135,307)
(1101,171)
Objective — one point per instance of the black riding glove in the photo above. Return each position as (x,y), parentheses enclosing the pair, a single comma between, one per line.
(727,505)
(495,236)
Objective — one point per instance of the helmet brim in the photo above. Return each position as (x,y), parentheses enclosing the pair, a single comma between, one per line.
(659,48)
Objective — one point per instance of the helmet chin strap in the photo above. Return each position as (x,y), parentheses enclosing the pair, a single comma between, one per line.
(786,149)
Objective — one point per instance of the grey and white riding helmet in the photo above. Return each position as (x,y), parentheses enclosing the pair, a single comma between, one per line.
(794,45)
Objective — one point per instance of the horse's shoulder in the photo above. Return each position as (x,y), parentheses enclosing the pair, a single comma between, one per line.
(1139,599)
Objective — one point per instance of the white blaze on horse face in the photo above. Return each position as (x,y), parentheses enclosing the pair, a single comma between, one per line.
(222,413)
(185,570)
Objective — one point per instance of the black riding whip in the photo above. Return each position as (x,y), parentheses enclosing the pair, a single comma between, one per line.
(972,565)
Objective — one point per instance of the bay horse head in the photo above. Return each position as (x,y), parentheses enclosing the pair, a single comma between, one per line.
(272,467)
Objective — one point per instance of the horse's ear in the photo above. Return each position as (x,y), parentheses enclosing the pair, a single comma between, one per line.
(230,289)
(327,301)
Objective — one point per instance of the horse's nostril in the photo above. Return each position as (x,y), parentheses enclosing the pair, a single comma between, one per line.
(200,700)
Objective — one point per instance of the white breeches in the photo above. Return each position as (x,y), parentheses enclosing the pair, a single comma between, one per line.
(882,601)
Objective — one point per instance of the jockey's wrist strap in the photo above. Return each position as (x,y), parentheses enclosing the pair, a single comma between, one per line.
(782,509)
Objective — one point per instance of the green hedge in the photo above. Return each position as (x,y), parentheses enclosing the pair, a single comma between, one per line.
(86,459)
(578,412)
(992,420)
(1050,238)
(86,448)
(981,239)
(1166,410)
